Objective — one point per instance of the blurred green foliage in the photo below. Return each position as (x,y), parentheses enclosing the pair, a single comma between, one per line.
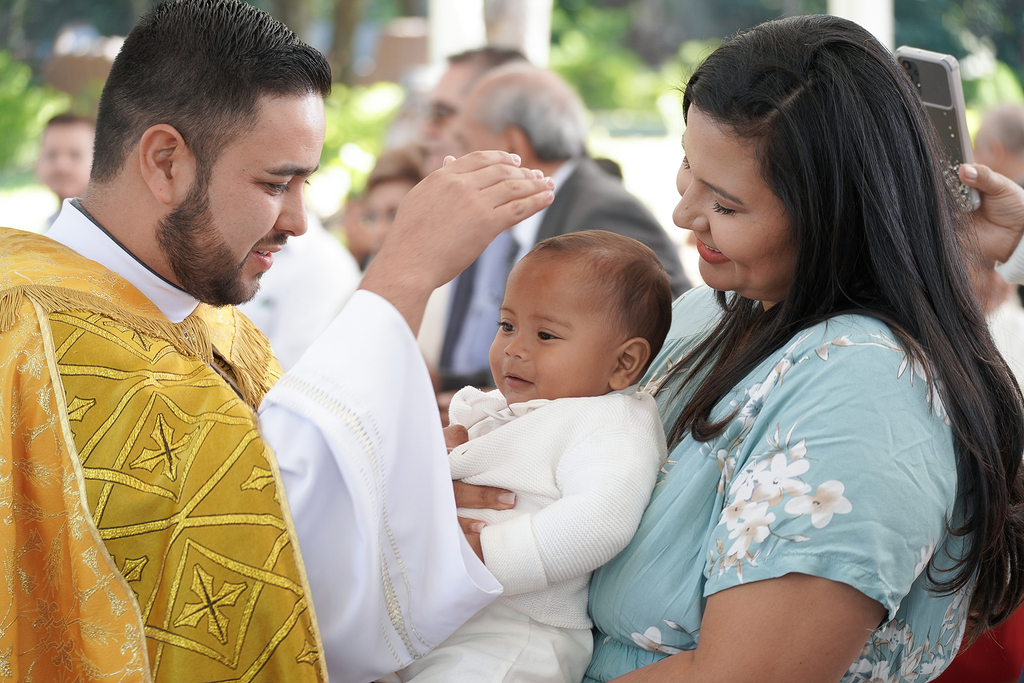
(1002,86)
(588,51)
(24,110)
(357,121)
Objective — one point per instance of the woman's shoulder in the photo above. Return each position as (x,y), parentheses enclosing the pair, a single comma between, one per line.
(696,313)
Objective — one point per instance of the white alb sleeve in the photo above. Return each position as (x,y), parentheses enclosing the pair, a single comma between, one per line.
(355,429)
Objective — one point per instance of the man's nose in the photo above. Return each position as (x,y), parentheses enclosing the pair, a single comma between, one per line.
(292,219)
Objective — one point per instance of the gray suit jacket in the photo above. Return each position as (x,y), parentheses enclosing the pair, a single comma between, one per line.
(590,199)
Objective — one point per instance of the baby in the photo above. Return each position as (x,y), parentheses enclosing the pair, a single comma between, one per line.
(567,431)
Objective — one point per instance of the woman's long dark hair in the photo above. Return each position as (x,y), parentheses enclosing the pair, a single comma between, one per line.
(845,143)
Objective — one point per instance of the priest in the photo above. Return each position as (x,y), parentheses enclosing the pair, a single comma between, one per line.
(173,508)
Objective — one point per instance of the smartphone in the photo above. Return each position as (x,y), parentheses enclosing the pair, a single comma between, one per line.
(937,78)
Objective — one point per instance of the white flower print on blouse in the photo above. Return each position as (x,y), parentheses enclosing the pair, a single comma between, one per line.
(893,654)
(773,485)
(828,500)
(751,527)
(650,640)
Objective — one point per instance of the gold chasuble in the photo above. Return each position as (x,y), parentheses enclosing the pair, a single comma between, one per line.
(144,534)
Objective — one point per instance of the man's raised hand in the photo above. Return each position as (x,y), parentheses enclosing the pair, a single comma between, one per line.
(447,220)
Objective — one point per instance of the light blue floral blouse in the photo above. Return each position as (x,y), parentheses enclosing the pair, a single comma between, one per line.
(838,464)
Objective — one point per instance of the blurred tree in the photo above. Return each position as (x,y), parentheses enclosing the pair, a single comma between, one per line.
(24,110)
(295,14)
(346,16)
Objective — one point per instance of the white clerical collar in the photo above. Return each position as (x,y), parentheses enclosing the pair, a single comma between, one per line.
(77,230)
(525,232)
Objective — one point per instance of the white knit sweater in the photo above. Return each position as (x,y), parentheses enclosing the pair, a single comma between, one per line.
(582,470)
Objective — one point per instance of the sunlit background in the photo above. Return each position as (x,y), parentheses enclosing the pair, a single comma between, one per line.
(626,58)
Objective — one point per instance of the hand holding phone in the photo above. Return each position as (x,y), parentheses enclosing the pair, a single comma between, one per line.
(937,78)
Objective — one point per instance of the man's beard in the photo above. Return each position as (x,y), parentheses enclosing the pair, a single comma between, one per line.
(199,257)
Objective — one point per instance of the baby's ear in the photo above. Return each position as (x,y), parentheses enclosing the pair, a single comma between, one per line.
(633,356)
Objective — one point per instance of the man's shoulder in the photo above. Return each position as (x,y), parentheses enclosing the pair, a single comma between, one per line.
(589,185)
(591,199)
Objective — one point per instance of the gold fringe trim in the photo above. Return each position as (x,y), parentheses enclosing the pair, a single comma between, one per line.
(190,338)
(251,353)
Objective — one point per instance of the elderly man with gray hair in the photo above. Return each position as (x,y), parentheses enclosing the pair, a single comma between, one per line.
(999,143)
(529,111)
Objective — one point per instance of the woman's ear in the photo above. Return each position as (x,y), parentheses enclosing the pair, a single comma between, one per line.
(166,164)
(632,358)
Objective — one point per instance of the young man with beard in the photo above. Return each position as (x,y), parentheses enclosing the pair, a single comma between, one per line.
(152,521)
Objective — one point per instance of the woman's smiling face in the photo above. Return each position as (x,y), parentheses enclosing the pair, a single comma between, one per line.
(743,232)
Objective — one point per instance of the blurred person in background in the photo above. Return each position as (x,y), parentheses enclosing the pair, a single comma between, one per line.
(65,156)
(396,172)
(533,113)
(449,96)
(999,142)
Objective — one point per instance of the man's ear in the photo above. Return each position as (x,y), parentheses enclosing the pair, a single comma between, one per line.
(515,142)
(166,163)
(633,356)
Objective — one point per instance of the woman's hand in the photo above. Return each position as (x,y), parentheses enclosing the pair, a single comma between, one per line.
(475,497)
(793,628)
(999,220)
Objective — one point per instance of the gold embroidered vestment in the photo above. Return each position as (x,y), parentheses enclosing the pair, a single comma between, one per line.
(143,530)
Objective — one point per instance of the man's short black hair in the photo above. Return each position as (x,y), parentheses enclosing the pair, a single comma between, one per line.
(200,66)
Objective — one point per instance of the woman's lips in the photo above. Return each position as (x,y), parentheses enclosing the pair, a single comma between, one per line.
(710,255)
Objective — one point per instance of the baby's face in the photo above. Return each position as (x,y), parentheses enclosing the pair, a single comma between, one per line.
(554,340)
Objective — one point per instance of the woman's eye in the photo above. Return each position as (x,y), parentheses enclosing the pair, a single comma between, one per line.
(718,208)
(278,187)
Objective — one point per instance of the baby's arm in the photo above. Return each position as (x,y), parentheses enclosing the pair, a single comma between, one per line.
(606,482)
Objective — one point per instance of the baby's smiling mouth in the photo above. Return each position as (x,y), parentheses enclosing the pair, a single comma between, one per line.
(516,379)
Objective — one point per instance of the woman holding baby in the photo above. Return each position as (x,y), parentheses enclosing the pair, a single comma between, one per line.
(843,496)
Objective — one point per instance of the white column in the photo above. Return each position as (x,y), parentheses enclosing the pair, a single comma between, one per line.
(455,26)
(874,15)
(522,24)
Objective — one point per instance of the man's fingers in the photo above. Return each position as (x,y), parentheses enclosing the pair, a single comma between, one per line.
(471,529)
(482,497)
(519,208)
(477,160)
(455,435)
(471,526)
(495,175)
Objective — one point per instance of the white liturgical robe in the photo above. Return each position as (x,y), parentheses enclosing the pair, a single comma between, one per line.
(355,430)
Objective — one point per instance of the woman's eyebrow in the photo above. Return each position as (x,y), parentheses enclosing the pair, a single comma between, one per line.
(723,193)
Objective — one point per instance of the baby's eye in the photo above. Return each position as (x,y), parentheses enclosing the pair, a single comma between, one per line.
(546,336)
(505,326)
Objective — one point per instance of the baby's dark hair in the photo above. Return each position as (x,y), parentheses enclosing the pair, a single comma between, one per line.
(635,283)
